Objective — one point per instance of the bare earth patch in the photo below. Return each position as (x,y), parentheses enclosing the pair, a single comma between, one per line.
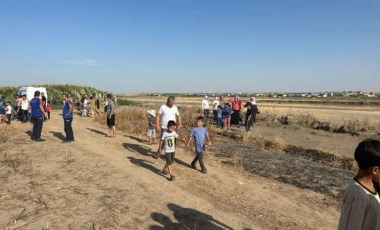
(102,183)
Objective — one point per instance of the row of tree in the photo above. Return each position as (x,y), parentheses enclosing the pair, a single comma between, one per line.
(55,92)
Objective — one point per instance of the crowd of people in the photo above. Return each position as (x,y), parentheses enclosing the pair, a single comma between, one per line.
(227,113)
(87,106)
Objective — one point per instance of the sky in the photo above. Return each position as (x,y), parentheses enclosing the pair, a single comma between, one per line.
(192,45)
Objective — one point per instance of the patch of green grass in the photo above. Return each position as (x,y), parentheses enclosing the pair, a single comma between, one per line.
(127,102)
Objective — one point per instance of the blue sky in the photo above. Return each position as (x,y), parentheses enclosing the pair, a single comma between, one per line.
(192,46)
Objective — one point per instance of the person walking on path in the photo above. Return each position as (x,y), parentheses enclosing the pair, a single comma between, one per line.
(168,112)
(252,111)
(38,115)
(110,111)
(226,114)
(152,127)
(24,108)
(215,105)
(206,106)
(236,104)
(67,114)
(199,135)
(168,144)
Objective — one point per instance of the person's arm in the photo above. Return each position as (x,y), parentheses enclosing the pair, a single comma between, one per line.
(353,213)
(158,122)
(189,142)
(209,140)
(111,111)
(42,109)
(179,121)
(160,146)
(70,109)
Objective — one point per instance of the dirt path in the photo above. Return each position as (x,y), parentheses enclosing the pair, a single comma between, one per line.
(101,183)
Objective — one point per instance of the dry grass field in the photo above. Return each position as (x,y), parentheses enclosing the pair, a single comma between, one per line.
(278,176)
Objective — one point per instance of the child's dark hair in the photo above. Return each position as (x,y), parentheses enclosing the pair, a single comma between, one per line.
(200,118)
(367,154)
(171,123)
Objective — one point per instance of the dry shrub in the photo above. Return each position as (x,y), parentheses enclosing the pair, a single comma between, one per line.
(268,114)
(357,125)
(260,143)
(305,118)
(130,119)
(189,114)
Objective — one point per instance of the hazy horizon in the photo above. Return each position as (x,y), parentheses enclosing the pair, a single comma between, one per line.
(192,46)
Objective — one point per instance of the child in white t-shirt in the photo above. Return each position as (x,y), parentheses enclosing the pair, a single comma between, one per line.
(8,112)
(168,144)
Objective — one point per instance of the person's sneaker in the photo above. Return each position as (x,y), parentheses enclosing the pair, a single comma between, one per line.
(172,178)
(164,172)
(204,171)
(193,166)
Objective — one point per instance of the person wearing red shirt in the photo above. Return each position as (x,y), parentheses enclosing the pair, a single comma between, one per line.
(236,103)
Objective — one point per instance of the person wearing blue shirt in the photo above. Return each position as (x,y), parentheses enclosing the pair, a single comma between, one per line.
(67,114)
(2,104)
(199,135)
(38,114)
(219,117)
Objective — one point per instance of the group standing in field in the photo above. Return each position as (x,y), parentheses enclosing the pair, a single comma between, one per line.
(361,201)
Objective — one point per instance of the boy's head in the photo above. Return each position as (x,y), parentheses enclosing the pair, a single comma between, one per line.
(65,96)
(367,155)
(171,126)
(199,121)
(37,94)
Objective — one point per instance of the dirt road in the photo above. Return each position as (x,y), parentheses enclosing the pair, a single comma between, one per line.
(103,183)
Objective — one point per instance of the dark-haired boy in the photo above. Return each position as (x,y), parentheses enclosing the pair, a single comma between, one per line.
(361,202)
(168,143)
(199,134)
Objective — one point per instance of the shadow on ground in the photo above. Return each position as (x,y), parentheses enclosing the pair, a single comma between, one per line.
(186,218)
(97,132)
(145,164)
(58,135)
(143,150)
(136,139)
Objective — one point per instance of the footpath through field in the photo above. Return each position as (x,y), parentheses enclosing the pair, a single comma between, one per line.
(105,183)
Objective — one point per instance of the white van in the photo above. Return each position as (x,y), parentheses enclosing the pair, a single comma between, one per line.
(29,91)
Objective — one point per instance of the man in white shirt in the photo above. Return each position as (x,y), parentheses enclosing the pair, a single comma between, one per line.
(168,112)
(205,106)
(215,105)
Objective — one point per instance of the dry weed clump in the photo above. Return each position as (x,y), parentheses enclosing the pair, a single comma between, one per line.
(131,119)
(260,143)
(189,114)
(306,119)
(357,125)
(268,114)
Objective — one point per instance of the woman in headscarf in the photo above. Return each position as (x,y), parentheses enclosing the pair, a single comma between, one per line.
(252,111)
